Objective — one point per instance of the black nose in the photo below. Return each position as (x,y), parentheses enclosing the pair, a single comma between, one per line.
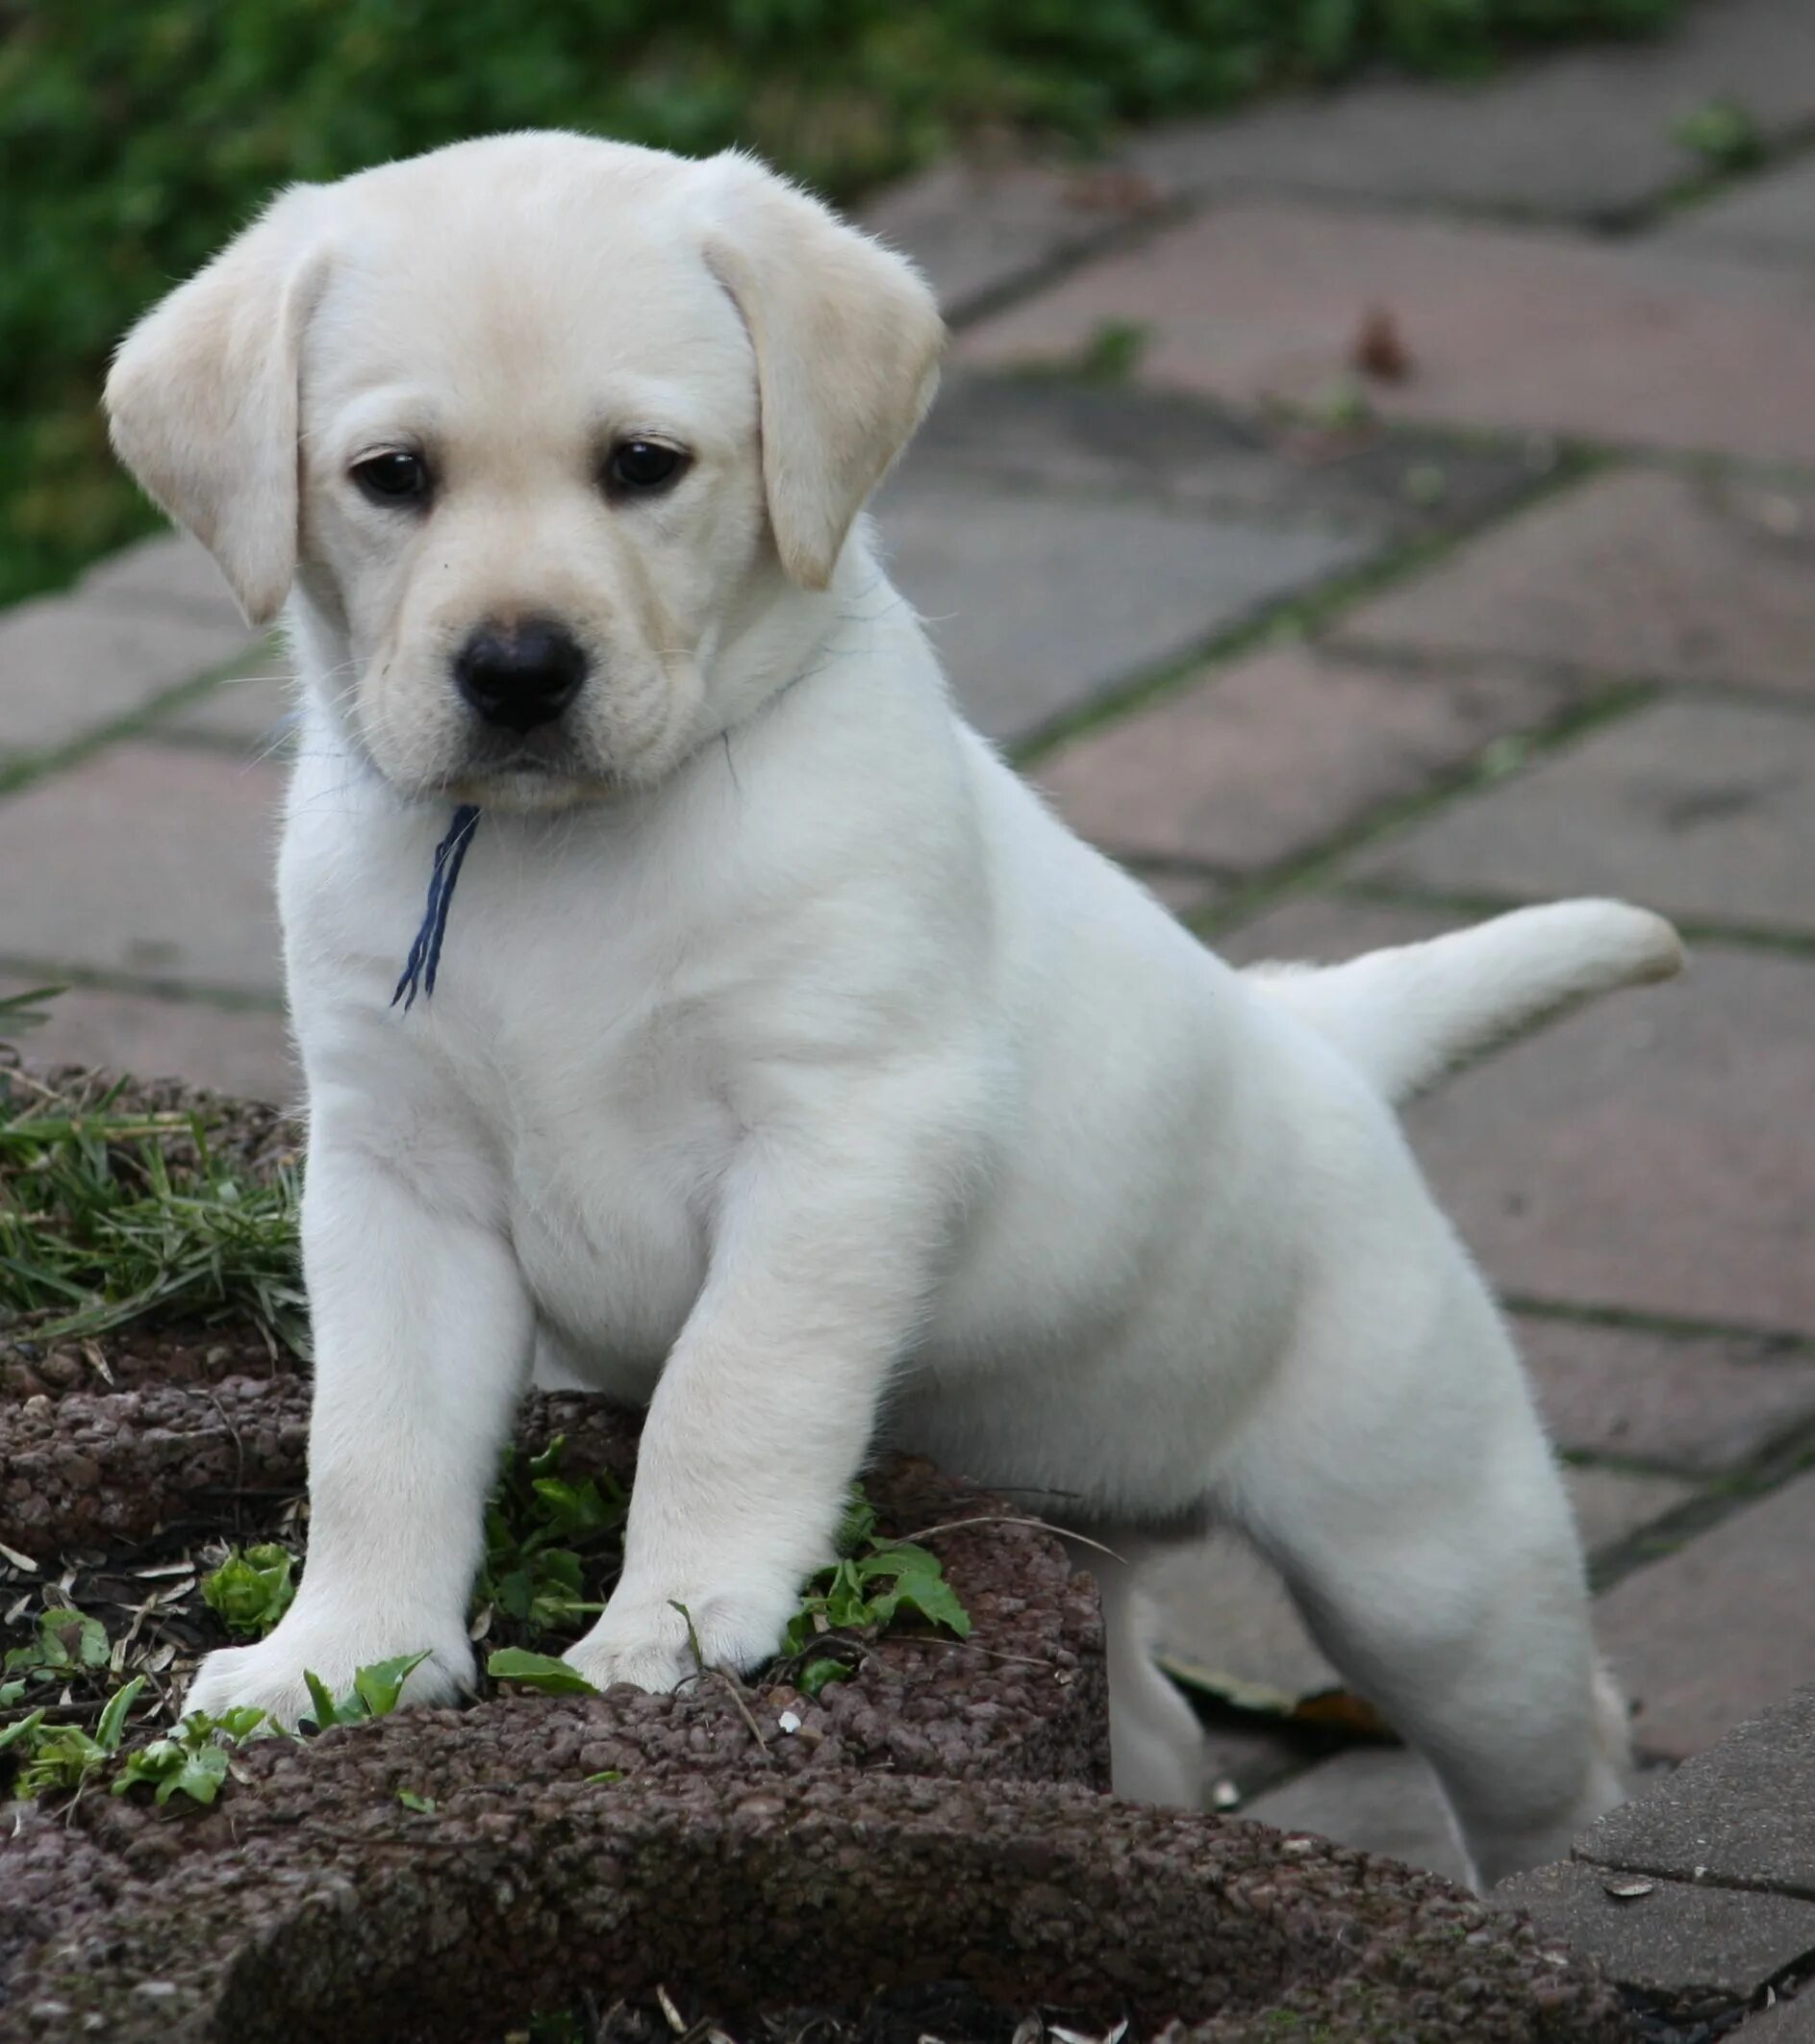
(520,675)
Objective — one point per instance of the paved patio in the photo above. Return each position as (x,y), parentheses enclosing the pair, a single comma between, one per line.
(1360,515)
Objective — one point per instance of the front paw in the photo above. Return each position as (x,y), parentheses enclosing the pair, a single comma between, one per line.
(658,1642)
(271,1675)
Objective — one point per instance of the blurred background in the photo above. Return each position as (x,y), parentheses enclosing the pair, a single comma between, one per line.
(1373,486)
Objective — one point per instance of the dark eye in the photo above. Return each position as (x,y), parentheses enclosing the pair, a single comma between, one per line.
(643,465)
(392,478)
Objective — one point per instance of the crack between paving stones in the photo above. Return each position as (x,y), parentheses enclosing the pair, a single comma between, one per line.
(1726,1884)
(201,994)
(1301,614)
(21,770)
(1794,1343)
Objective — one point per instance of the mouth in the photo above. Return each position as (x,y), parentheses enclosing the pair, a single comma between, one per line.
(542,770)
(546,754)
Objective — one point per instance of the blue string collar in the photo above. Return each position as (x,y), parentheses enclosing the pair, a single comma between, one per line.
(425,953)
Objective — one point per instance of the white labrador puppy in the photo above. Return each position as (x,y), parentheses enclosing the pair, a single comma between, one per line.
(791,1068)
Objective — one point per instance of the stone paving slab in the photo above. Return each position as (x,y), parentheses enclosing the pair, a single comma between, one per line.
(1040,603)
(1741,1814)
(1645,572)
(171,571)
(977,228)
(69,668)
(1702,1405)
(1587,133)
(1262,761)
(1184,894)
(1264,300)
(1688,1942)
(1611,1505)
(251,708)
(148,861)
(1066,433)
(1720,1630)
(1651,1152)
(1325,928)
(243,1051)
(1788,2022)
(1702,810)
(1767,219)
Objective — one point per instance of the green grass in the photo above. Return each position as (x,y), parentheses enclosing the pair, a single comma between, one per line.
(133,139)
(110,1214)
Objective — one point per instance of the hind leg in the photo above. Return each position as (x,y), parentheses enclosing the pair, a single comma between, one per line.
(1418,1518)
(1156,1749)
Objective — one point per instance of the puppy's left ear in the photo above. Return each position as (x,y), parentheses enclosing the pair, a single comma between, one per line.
(847,340)
(203,400)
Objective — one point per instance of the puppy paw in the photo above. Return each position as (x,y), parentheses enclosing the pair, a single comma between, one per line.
(271,1675)
(647,1642)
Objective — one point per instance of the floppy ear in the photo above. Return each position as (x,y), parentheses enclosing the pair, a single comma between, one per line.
(847,340)
(202,401)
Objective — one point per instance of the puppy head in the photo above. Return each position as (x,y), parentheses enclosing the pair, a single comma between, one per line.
(534,426)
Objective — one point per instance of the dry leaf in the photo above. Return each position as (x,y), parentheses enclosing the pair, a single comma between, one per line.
(1379,350)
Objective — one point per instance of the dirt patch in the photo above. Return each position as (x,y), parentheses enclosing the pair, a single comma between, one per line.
(333,1910)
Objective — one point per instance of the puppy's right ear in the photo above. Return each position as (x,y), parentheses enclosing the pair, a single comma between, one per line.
(202,402)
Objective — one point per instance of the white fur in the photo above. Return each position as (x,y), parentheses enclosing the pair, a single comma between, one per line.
(792,1067)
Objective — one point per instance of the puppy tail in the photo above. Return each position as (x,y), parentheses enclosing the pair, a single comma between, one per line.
(1406,1015)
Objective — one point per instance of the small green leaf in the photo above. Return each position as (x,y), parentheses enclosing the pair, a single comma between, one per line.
(150,1763)
(817,1675)
(62,1757)
(68,1638)
(21,1011)
(866,1589)
(379,1687)
(324,1713)
(1724,133)
(238,1724)
(423,1805)
(538,1671)
(199,1777)
(606,1775)
(692,1634)
(516,1592)
(1113,352)
(560,1567)
(903,1559)
(22,1728)
(573,1508)
(251,1591)
(107,1735)
(859,1523)
(542,1465)
(936,1601)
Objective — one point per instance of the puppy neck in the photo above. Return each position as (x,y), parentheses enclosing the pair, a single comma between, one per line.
(778,633)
